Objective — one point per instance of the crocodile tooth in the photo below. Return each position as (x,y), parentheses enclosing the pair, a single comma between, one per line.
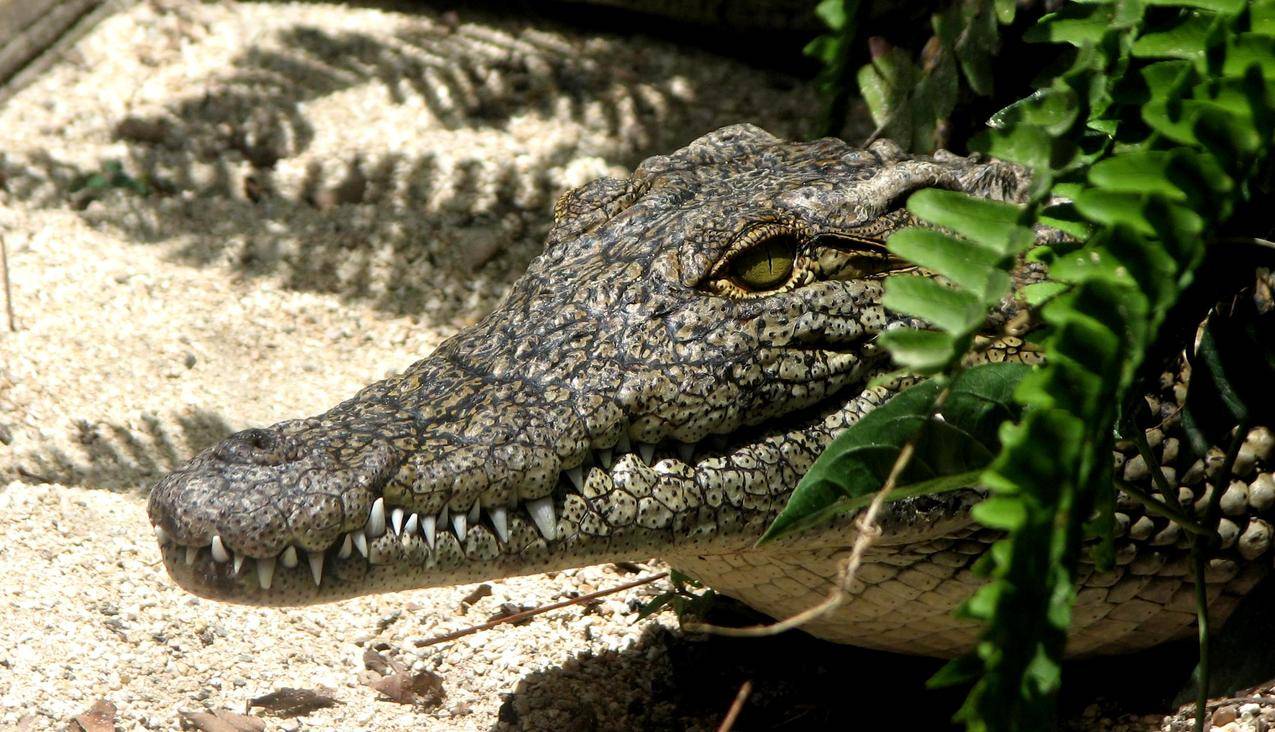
(458,525)
(604,457)
(647,451)
(376,518)
(219,549)
(413,523)
(265,572)
(622,445)
(396,520)
(191,553)
(577,477)
(347,548)
(360,542)
(541,511)
(289,557)
(160,534)
(474,514)
(686,451)
(238,562)
(427,527)
(500,522)
(316,566)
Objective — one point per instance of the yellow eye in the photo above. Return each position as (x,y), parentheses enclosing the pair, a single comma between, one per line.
(767,265)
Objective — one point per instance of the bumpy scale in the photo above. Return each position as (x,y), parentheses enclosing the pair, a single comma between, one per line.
(655,385)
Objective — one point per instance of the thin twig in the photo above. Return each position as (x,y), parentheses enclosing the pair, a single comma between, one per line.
(538,610)
(736,707)
(1169,511)
(869,532)
(1199,557)
(8,292)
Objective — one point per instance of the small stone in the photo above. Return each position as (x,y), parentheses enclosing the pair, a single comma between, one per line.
(1262,442)
(189,360)
(1255,540)
(1142,529)
(1121,523)
(1170,452)
(1221,570)
(1186,496)
(1194,474)
(1261,492)
(1155,436)
(1235,499)
(1136,469)
(1168,535)
(1228,531)
(1213,462)
(1224,715)
(1245,461)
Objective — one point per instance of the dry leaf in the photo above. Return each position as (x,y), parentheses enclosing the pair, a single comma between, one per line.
(424,688)
(288,702)
(374,661)
(98,718)
(222,720)
(481,591)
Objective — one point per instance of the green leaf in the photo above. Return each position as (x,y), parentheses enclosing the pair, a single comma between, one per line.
(887,84)
(991,223)
(1220,6)
(1185,38)
(1077,24)
(964,263)
(832,13)
(949,453)
(1053,110)
(1139,172)
(922,351)
(952,310)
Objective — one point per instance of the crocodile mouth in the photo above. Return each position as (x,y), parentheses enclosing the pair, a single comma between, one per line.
(630,500)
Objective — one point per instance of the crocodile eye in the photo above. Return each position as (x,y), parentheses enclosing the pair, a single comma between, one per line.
(766,265)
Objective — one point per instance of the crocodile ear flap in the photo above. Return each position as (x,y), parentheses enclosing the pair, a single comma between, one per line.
(580,210)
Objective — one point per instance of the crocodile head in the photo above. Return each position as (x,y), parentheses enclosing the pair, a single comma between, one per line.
(654,385)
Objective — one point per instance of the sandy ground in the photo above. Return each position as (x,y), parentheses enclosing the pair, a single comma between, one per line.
(221,215)
(292,200)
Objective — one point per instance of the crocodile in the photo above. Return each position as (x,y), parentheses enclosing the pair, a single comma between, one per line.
(655,385)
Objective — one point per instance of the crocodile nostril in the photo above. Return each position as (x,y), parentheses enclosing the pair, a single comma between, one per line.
(253,447)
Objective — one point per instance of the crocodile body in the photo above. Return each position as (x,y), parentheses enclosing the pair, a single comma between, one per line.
(655,385)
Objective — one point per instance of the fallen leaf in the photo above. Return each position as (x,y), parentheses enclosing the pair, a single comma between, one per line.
(424,688)
(374,661)
(288,702)
(98,718)
(222,720)
(481,591)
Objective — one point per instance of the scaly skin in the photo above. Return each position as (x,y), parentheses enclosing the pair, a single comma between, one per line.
(633,396)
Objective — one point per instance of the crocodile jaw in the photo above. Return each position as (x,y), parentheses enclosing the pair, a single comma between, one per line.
(555,432)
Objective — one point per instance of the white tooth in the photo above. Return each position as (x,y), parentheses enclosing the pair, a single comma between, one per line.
(360,543)
(541,511)
(160,534)
(289,557)
(577,477)
(238,562)
(316,566)
(500,522)
(427,525)
(396,519)
(458,525)
(686,451)
(376,519)
(413,523)
(622,445)
(474,513)
(191,553)
(347,548)
(265,572)
(219,549)
(604,457)
(647,451)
